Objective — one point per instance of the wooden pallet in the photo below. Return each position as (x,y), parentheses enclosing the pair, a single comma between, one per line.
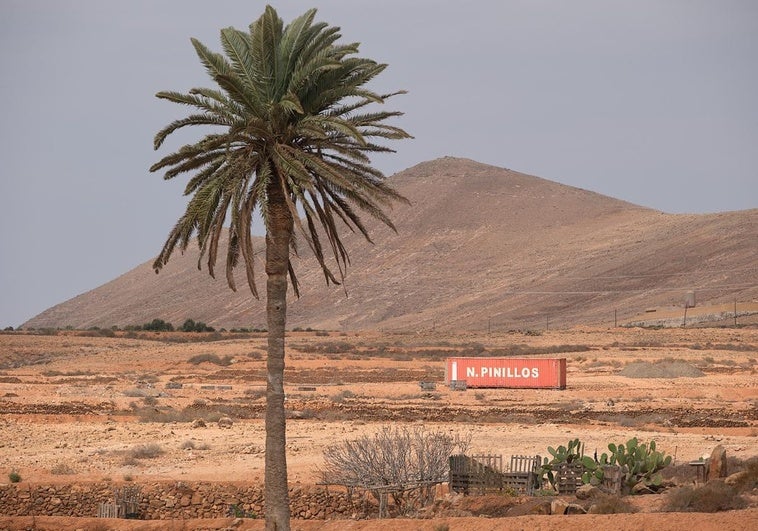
(523,475)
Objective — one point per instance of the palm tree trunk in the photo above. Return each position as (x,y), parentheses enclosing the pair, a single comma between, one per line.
(278,237)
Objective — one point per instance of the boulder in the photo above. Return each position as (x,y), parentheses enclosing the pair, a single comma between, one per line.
(574,508)
(717,464)
(558,506)
(587,491)
(198,423)
(225,422)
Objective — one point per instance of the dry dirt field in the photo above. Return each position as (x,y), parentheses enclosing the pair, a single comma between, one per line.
(73,407)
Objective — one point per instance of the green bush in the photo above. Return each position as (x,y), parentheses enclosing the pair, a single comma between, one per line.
(191,326)
(158,325)
(14,477)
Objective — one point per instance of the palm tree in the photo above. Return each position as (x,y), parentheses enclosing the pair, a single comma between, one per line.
(286,135)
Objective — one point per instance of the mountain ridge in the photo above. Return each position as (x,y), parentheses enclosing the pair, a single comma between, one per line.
(478,246)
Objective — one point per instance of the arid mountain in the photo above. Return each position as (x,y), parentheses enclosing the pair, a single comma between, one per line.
(478,247)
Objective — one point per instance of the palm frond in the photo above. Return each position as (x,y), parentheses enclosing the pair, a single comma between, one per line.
(292,134)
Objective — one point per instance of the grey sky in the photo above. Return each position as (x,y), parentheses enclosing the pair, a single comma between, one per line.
(650,101)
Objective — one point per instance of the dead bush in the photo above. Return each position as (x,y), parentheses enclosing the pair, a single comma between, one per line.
(135,393)
(746,478)
(342,395)
(193,445)
(611,504)
(62,469)
(210,358)
(255,393)
(489,505)
(146,451)
(402,458)
(712,497)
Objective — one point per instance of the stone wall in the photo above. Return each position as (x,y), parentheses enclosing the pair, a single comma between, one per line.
(178,500)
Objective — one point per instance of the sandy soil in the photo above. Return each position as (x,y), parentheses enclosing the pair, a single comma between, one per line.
(72,408)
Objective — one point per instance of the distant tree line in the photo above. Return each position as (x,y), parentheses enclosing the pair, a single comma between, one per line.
(159,325)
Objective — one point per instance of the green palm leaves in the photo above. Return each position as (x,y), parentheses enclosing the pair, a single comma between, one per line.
(289,111)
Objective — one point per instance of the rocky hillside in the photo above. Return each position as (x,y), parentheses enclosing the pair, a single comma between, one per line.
(478,247)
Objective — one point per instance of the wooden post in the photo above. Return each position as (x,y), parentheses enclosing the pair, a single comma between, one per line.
(382,503)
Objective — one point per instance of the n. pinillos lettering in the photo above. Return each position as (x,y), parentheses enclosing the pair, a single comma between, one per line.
(503,372)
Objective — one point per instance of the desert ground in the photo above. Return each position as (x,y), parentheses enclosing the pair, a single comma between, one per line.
(74,406)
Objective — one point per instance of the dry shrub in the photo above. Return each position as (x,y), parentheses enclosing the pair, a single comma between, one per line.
(192,445)
(146,451)
(152,414)
(330,347)
(401,458)
(326,415)
(612,504)
(255,393)
(712,497)
(746,477)
(210,358)
(62,469)
(491,505)
(341,396)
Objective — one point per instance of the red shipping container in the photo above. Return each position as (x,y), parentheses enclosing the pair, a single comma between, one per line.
(529,373)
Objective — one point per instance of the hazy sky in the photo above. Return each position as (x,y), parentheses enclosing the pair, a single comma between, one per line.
(651,101)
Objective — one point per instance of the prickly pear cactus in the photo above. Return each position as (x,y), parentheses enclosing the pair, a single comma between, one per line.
(639,462)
